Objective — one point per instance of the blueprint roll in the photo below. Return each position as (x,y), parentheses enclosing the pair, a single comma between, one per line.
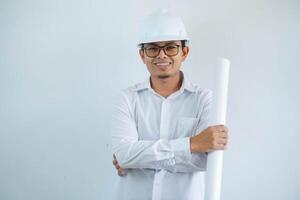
(218,116)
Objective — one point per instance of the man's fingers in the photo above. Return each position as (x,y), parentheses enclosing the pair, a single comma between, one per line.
(220,128)
(117,166)
(219,144)
(223,135)
(219,135)
(115,162)
(120,172)
(222,141)
(217,147)
(220,147)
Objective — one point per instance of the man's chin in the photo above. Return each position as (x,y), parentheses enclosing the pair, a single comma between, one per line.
(164,76)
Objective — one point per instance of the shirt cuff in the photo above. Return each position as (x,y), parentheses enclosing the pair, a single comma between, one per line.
(181,149)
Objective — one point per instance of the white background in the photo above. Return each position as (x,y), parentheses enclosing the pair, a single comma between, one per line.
(63,61)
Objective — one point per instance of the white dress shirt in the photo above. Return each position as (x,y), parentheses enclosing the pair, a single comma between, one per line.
(151,140)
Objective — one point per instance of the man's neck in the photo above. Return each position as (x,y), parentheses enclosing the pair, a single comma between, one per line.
(166,86)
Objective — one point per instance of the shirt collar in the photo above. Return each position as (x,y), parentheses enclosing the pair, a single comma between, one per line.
(186,85)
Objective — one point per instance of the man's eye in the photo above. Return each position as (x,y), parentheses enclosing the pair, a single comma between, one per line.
(152,49)
(170,48)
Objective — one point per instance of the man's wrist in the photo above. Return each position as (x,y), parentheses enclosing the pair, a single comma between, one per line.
(192,146)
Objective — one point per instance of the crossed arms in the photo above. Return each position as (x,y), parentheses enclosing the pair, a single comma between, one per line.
(182,155)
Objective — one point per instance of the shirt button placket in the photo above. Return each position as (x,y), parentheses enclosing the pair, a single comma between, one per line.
(164,123)
(156,194)
(164,120)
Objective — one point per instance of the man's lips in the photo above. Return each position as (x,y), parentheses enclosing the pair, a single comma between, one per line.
(162,64)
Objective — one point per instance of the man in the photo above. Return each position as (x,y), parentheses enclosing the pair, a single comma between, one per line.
(159,133)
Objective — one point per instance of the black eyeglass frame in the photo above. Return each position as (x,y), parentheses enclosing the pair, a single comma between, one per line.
(162,48)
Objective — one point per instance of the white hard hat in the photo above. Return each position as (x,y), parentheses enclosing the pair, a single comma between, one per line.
(162,26)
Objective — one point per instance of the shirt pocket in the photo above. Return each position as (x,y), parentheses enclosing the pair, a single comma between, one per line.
(187,126)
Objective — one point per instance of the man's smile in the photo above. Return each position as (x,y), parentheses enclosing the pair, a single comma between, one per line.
(163,65)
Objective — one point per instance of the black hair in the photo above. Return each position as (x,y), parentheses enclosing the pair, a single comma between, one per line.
(183,43)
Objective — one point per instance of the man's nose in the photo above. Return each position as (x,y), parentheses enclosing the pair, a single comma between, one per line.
(162,54)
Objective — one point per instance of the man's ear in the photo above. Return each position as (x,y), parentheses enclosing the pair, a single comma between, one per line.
(142,55)
(185,52)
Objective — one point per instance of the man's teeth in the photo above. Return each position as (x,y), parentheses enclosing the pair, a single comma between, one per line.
(162,64)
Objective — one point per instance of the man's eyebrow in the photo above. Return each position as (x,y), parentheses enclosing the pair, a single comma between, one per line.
(152,44)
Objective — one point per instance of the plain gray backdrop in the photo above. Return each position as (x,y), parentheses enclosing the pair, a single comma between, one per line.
(62,62)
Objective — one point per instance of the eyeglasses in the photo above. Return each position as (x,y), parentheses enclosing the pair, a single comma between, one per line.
(153,51)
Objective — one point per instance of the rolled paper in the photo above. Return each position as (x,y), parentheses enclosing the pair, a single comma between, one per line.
(218,116)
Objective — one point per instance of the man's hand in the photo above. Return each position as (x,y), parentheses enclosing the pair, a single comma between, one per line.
(117,166)
(212,138)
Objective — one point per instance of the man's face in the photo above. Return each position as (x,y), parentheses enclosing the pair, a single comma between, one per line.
(163,66)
